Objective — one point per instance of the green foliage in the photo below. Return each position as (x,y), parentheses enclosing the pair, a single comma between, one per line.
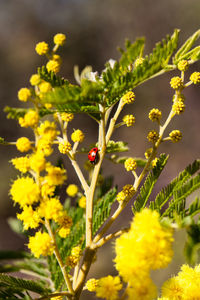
(16,225)
(51,77)
(121,160)
(15,113)
(147,187)
(21,285)
(185,53)
(192,245)
(2,141)
(113,147)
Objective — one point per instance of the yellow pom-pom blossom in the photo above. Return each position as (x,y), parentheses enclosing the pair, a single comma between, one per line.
(126,193)
(64,232)
(129,120)
(73,259)
(130,164)
(175,136)
(50,209)
(29,217)
(35,79)
(23,144)
(195,77)
(21,163)
(153,136)
(55,176)
(53,66)
(176,83)
(24,94)
(64,147)
(128,98)
(24,191)
(41,244)
(142,290)
(155,115)
(183,65)
(44,146)
(72,190)
(92,284)
(57,58)
(121,196)
(172,289)
(77,136)
(108,287)
(67,117)
(45,87)
(37,162)
(82,202)
(147,246)
(178,107)
(154,162)
(42,48)
(30,119)
(48,130)
(47,190)
(59,39)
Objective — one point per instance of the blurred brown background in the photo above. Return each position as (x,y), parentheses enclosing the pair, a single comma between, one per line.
(94,29)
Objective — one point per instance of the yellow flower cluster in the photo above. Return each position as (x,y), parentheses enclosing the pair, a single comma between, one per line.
(126,194)
(130,164)
(108,287)
(92,284)
(30,119)
(73,259)
(176,83)
(155,115)
(195,77)
(55,175)
(77,136)
(139,61)
(59,39)
(184,286)
(29,217)
(175,136)
(178,107)
(53,65)
(129,120)
(148,153)
(82,202)
(183,65)
(50,209)
(42,48)
(128,98)
(67,117)
(65,223)
(153,136)
(24,94)
(72,190)
(147,246)
(21,163)
(64,147)
(41,244)
(35,79)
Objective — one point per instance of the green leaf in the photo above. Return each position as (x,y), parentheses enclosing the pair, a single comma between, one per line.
(15,113)
(2,141)
(186,47)
(23,284)
(150,181)
(194,207)
(192,244)
(113,146)
(16,225)
(51,77)
(167,192)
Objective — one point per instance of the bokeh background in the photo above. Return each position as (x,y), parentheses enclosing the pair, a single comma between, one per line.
(94,29)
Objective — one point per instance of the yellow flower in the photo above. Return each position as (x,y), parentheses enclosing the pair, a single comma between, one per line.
(50,209)
(148,153)
(59,39)
(82,202)
(64,220)
(37,162)
(175,136)
(72,190)
(47,190)
(44,146)
(178,107)
(24,191)
(55,176)
(142,290)
(153,136)
(183,65)
(41,244)
(24,94)
(57,58)
(53,65)
(172,289)
(45,87)
(64,232)
(145,247)
(35,79)
(129,120)
(77,136)
(121,196)
(42,48)
(108,287)
(48,130)
(139,61)
(130,164)
(30,119)
(195,77)
(29,217)
(92,284)
(67,117)
(176,83)
(155,115)
(128,98)
(73,259)
(126,193)
(23,144)
(21,163)
(64,147)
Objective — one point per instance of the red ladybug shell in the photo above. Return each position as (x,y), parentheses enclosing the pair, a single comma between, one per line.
(93,155)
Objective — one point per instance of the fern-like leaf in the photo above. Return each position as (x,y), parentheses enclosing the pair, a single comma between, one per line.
(147,187)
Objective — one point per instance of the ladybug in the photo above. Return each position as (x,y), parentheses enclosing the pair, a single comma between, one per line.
(93,155)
